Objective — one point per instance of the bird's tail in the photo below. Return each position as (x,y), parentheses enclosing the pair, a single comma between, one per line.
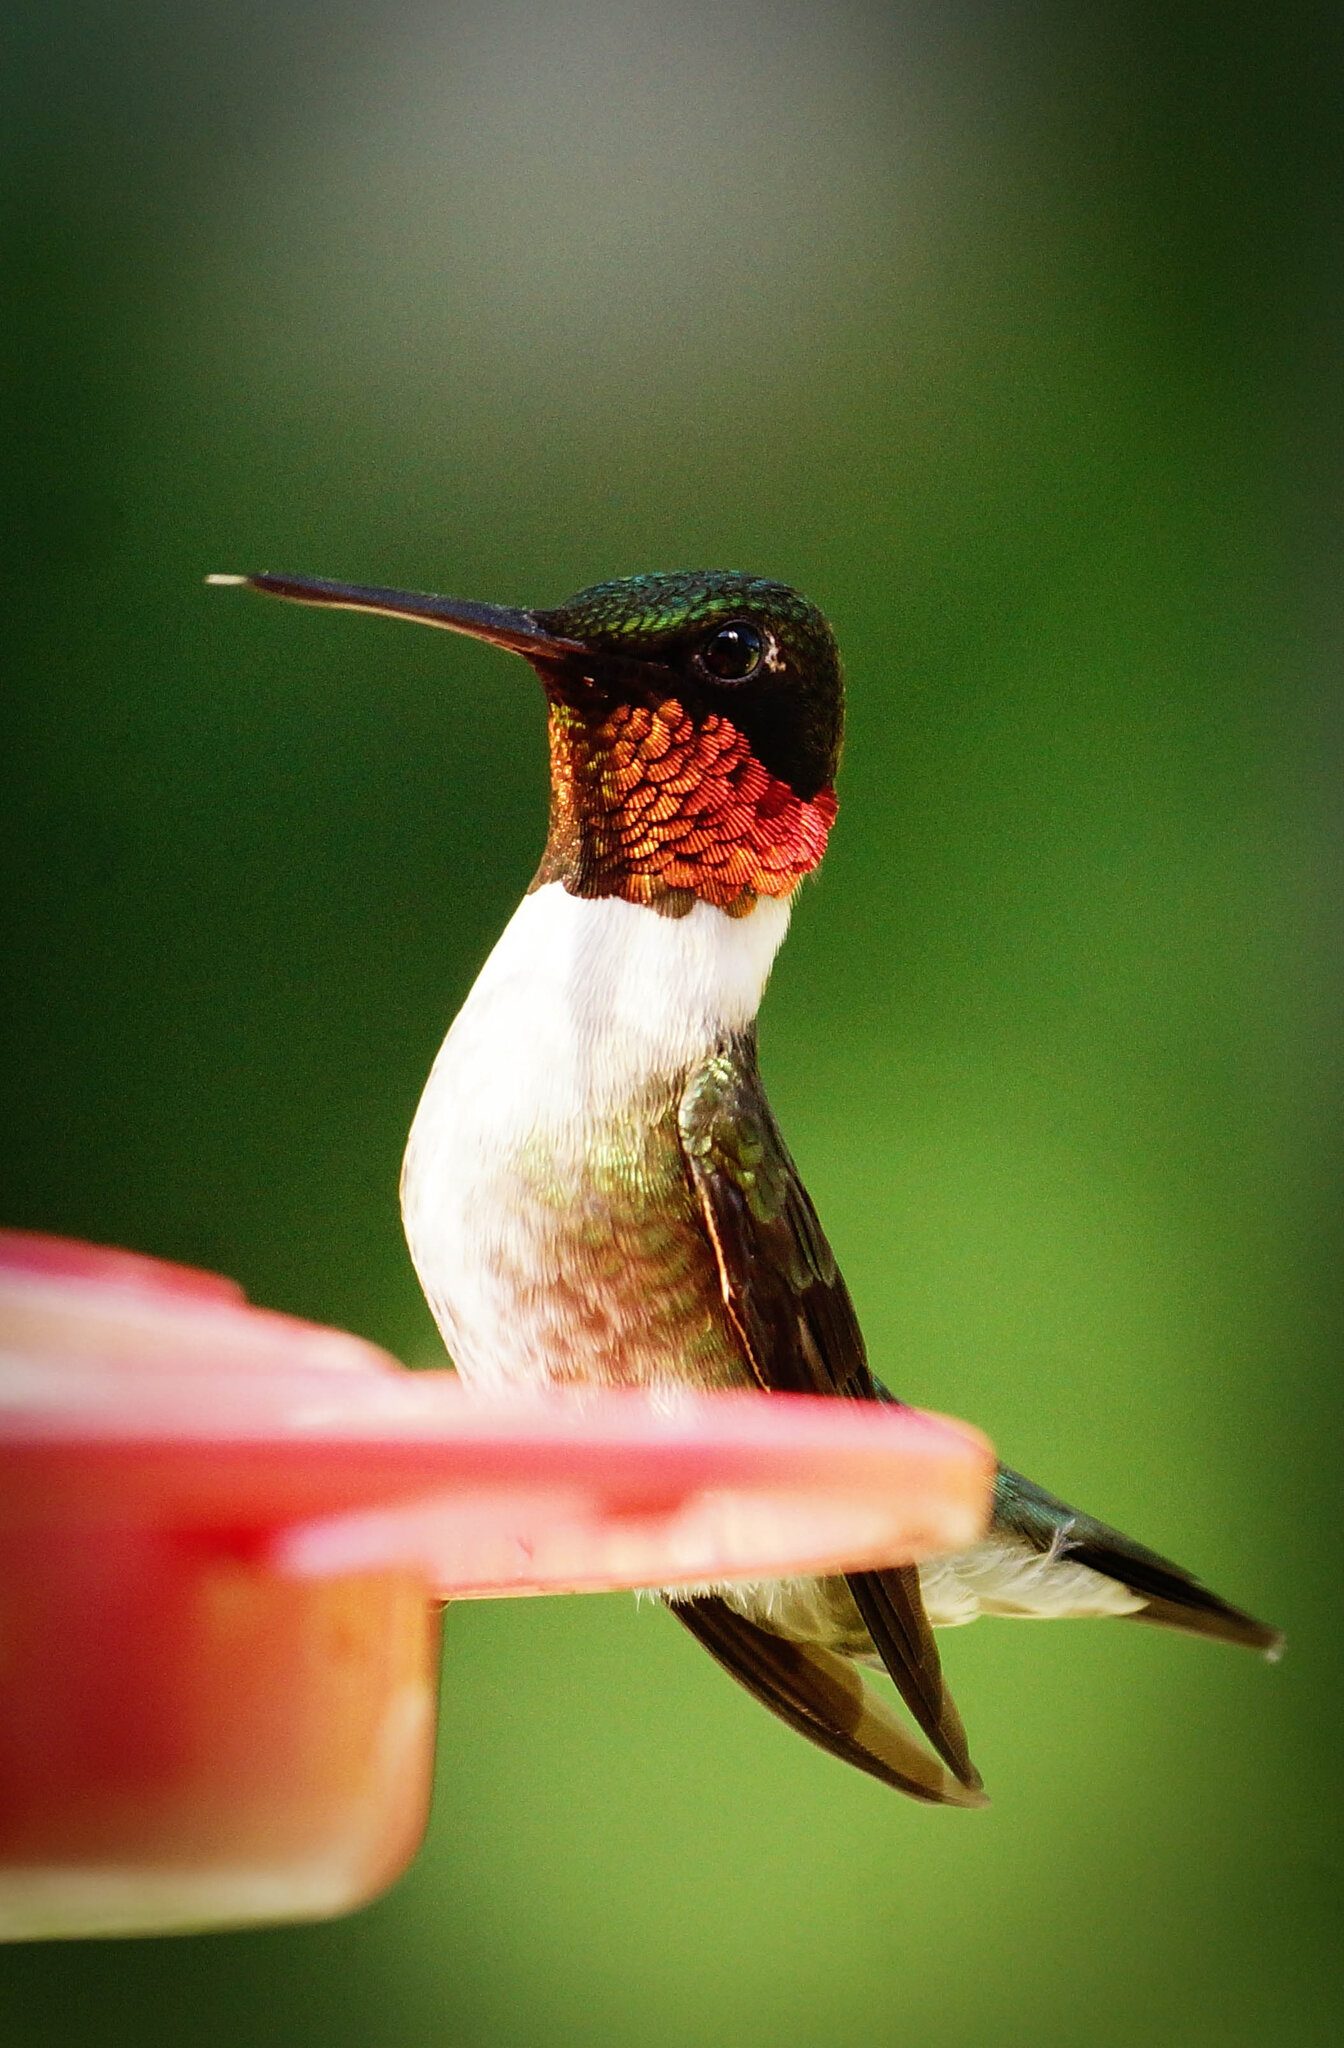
(1172,1597)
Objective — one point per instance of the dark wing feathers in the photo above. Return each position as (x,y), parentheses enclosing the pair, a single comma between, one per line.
(893,1613)
(823,1697)
(781,1286)
(798,1330)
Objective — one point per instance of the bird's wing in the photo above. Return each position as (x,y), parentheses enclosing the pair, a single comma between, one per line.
(1172,1595)
(824,1698)
(796,1323)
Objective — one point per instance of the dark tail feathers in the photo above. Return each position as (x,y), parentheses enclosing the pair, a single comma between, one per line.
(1175,1598)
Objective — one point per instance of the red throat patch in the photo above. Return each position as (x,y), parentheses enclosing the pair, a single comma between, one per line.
(648,805)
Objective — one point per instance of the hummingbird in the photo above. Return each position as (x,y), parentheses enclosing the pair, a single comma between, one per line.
(595,1190)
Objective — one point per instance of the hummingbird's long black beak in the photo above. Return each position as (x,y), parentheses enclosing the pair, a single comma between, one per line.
(518,631)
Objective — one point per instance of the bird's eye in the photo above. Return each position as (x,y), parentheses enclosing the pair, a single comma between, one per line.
(733,653)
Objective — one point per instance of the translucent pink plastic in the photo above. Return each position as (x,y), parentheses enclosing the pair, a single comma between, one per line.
(223,1537)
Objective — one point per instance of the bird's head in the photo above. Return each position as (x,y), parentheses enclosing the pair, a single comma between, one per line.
(695,727)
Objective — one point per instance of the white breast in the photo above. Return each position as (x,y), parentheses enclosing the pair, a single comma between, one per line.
(581,1006)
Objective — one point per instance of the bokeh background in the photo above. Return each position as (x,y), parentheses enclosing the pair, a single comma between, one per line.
(1007,333)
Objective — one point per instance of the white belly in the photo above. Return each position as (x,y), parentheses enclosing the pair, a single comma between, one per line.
(1005,1577)
(526,1196)
(998,1576)
(528,1185)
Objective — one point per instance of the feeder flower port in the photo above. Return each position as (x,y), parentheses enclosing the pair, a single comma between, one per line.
(226,1537)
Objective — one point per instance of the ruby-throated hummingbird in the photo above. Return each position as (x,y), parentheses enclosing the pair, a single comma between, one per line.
(595,1190)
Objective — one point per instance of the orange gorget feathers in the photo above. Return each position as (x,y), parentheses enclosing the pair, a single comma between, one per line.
(650,805)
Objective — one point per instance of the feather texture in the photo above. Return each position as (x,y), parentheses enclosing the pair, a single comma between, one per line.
(1162,1592)
(796,1322)
(823,1697)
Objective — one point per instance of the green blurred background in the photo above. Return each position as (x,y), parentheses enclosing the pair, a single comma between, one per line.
(1007,334)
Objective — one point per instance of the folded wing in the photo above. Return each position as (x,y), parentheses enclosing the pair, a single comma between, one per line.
(795,1321)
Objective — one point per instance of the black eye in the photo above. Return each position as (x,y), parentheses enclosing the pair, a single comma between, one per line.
(733,653)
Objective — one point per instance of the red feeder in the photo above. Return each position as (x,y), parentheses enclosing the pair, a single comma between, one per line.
(223,1537)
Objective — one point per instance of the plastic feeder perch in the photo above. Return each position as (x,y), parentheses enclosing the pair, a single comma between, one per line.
(224,1538)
